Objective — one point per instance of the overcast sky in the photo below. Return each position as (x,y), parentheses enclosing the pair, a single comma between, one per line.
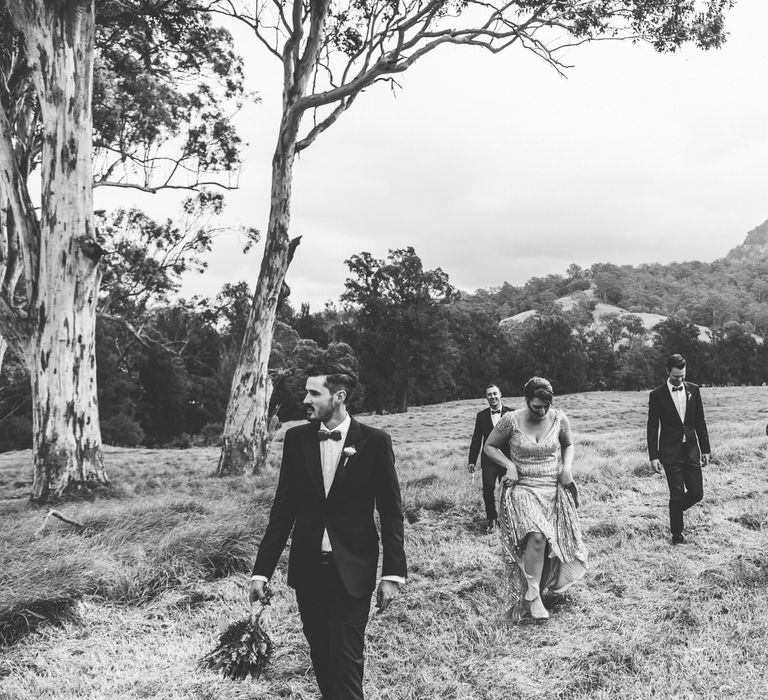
(497,169)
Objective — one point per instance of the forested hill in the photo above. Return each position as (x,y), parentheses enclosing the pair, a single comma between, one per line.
(755,246)
(732,288)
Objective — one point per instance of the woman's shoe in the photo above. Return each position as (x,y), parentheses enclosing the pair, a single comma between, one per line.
(538,611)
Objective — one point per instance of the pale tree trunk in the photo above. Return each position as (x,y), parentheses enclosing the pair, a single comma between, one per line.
(10,274)
(245,434)
(3,350)
(61,351)
(6,234)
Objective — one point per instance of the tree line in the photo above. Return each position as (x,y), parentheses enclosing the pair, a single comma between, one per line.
(412,338)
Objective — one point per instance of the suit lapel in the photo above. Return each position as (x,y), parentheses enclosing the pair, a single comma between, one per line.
(688,400)
(354,435)
(671,403)
(488,421)
(311,449)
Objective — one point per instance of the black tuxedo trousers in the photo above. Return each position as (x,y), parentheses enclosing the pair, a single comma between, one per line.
(686,488)
(334,624)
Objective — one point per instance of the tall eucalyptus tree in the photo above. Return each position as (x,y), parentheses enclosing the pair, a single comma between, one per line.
(136,58)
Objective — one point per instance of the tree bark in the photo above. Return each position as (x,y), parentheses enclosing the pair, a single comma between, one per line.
(245,436)
(3,350)
(244,439)
(62,310)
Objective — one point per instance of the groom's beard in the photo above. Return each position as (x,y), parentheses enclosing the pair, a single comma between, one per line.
(319,414)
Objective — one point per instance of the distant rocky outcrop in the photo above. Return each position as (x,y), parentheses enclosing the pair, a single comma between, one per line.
(732,289)
(755,246)
(599,313)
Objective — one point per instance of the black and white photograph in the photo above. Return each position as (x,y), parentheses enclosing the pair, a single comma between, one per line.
(383,349)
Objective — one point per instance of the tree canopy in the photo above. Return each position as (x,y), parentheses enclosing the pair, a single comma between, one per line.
(400,326)
(167,81)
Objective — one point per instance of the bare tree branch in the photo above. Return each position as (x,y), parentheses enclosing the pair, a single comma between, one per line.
(165,186)
(55,514)
(324,124)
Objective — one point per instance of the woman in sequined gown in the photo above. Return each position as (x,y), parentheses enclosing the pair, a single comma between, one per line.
(540,531)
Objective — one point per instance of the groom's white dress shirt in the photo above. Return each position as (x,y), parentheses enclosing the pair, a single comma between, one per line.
(330,453)
(680,399)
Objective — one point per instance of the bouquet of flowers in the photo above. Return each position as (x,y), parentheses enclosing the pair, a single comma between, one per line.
(244,648)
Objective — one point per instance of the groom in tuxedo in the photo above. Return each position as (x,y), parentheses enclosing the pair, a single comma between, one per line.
(334,471)
(682,446)
(485,421)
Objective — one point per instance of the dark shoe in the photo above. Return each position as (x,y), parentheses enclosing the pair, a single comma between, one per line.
(491,526)
(679,539)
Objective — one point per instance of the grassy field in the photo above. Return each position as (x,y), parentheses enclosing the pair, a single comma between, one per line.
(124,607)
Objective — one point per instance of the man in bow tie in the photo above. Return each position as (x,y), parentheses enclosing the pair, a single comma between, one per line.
(485,421)
(682,446)
(334,472)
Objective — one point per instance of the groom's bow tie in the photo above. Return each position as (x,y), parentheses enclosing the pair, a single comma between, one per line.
(498,410)
(677,388)
(326,435)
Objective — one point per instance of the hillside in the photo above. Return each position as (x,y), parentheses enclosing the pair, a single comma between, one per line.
(755,246)
(139,594)
(600,314)
(733,288)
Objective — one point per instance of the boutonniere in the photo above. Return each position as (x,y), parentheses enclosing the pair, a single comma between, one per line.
(350,451)
(688,394)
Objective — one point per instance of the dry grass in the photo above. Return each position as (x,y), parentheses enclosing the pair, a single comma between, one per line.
(139,595)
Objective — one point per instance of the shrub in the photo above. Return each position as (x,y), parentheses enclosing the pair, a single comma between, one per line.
(181,442)
(121,430)
(211,433)
(15,433)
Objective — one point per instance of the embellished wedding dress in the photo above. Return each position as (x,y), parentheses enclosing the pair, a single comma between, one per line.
(538,503)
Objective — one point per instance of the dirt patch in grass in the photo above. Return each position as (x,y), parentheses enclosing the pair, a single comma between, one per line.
(751,521)
(18,620)
(604,529)
(427,480)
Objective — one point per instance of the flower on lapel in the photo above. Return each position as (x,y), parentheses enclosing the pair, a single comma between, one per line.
(688,394)
(350,451)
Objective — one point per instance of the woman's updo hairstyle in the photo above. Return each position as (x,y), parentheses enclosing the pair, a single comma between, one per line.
(538,388)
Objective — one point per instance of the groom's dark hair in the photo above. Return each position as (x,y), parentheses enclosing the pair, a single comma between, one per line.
(337,376)
(677,361)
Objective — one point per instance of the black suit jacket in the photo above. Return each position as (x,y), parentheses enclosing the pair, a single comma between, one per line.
(364,481)
(668,445)
(483,428)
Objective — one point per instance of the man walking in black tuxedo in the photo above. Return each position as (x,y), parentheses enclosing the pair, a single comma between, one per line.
(484,423)
(334,471)
(682,447)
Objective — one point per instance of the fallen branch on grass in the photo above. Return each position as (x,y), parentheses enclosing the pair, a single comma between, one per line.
(55,514)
